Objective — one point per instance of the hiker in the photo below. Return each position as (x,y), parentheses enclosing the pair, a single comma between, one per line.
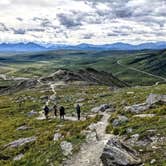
(78,111)
(46,111)
(55,109)
(62,112)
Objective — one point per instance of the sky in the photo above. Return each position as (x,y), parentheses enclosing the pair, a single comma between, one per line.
(82,21)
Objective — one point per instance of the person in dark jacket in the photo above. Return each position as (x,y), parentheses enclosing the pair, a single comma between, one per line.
(55,109)
(62,112)
(78,111)
(46,111)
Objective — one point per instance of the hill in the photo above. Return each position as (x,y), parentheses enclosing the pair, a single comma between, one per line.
(65,77)
(153,62)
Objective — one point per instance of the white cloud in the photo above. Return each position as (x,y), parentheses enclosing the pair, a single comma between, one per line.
(80,21)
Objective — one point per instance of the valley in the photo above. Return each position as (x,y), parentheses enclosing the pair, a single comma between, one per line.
(122,95)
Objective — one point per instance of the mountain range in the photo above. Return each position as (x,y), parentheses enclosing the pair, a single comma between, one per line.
(28,47)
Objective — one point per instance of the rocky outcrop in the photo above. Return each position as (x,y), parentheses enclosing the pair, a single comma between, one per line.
(101,108)
(154,98)
(20,142)
(120,120)
(116,153)
(150,101)
(137,108)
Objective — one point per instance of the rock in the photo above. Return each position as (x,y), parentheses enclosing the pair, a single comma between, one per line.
(121,119)
(135,140)
(20,142)
(129,130)
(32,113)
(135,136)
(145,115)
(66,147)
(154,98)
(137,108)
(112,109)
(130,93)
(80,100)
(101,108)
(23,128)
(57,136)
(116,153)
(44,97)
(151,99)
(18,157)
(153,161)
(91,136)
(53,97)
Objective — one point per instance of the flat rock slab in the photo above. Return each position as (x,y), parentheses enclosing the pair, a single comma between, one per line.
(20,142)
(23,128)
(145,115)
(155,98)
(116,153)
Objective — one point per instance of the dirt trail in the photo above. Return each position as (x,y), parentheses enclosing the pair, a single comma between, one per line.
(140,71)
(89,154)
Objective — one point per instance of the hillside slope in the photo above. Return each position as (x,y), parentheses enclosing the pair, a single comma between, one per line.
(154,63)
(87,76)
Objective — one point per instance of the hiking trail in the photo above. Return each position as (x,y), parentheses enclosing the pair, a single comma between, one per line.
(90,152)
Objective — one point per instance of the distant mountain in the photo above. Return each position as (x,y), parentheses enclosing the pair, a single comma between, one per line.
(114,46)
(18,47)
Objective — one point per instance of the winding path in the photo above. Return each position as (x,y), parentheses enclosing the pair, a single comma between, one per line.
(89,154)
(140,71)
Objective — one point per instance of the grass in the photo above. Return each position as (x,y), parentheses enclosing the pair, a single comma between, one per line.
(45,63)
(141,126)
(44,151)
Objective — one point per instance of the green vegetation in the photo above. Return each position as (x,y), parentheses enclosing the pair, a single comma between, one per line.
(44,63)
(44,151)
(145,127)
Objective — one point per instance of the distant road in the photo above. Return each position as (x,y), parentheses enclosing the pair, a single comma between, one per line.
(140,71)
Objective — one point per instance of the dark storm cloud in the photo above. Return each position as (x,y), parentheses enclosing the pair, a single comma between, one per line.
(19,31)
(3,28)
(69,20)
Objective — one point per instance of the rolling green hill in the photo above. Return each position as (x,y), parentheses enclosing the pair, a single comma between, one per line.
(44,63)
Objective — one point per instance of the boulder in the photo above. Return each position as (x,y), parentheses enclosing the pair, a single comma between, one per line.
(144,116)
(137,108)
(23,128)
(101,108)
(80,100)
(20,142)
(66,147)
(154,98)
(57,136)
(121,119)
(32,113)
(18,157)
(116,153)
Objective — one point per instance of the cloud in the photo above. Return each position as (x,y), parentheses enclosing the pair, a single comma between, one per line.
(69,20)
(79,21)
(19,31)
